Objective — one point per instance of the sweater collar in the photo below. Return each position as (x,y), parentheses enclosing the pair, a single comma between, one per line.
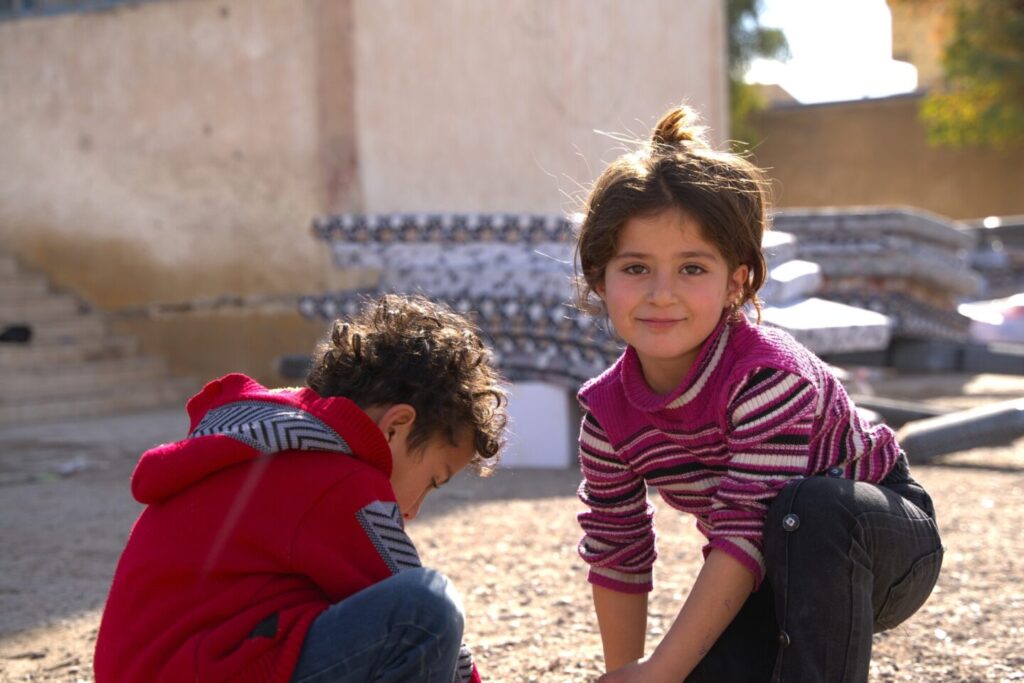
(235,420)
(643,398)
(358,429)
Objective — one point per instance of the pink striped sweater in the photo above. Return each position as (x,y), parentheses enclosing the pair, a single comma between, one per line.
(755,411)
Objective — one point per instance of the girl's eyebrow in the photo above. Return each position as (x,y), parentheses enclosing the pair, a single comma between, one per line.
(678,254)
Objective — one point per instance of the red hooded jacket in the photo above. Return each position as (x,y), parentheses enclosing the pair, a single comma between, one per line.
(277,505)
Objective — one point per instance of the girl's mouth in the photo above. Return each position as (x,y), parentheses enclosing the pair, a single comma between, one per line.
(659,322)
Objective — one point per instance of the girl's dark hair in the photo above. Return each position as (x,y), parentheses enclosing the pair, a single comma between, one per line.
(408,349)
(723,192)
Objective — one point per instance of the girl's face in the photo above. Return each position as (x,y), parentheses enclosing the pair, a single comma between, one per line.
(665,289)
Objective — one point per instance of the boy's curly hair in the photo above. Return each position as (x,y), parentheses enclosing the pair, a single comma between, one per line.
(408,349)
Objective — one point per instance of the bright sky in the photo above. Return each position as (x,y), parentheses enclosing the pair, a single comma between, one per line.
(840,50)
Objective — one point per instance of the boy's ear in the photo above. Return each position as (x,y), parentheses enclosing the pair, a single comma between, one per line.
(397,420)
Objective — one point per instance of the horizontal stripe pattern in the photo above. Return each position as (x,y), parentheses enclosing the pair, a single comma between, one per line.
(619,540)
(721,450)
(464,666)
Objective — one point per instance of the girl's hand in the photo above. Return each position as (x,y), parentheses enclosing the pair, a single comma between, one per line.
(641,671)
(721,588)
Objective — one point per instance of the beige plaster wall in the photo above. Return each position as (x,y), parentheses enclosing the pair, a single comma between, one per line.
(163,151)
(174,151)
(875,152)
(208,346)
(465,105)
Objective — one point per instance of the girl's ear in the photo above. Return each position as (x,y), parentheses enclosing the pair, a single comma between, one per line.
(737,282)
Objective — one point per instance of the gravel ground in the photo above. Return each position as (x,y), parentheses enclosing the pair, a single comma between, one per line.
(508,542)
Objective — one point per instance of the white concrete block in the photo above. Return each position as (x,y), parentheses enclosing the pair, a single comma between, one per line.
(544,426)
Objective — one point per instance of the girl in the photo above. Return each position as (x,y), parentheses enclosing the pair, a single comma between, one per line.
(817,537)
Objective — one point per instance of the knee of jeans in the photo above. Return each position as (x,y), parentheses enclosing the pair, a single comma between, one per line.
(435,599)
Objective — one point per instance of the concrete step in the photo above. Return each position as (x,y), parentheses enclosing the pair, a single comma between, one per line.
(81,378)
(37,308)
(69,330)
(166,393)
(35,354)
(22,286)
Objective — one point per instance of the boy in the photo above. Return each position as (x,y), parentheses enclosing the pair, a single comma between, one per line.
(272,548)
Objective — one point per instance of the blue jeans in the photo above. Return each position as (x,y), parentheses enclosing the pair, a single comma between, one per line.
(844,560)
(405,628)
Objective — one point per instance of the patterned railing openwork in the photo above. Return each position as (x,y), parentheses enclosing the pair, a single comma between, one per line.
(513,275)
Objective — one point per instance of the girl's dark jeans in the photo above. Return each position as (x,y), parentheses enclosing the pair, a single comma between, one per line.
(845,560)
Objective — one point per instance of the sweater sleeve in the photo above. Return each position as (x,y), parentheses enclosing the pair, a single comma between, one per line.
(770,419)
(352,537)
(618,527)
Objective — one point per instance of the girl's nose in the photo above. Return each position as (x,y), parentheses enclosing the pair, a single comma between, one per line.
(662,290)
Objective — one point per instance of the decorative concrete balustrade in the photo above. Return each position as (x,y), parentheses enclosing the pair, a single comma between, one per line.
(513,275)
(538,338)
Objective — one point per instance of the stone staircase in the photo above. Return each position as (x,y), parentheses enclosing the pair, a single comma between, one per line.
(73,366)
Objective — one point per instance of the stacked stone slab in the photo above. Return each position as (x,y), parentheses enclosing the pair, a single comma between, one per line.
(513,275)
(791,303)
(909,265)
(72,366)
(998,255)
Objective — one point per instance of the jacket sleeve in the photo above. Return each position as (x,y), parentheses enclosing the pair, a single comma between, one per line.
(353,537)
(618,527)
(770,421)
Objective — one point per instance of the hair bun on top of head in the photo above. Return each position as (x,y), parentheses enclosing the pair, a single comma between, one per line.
(679,126)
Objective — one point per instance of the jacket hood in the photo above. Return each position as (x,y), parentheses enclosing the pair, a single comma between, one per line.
(235,419)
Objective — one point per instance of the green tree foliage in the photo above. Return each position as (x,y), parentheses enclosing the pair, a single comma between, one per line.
(748,40)
(982,102)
